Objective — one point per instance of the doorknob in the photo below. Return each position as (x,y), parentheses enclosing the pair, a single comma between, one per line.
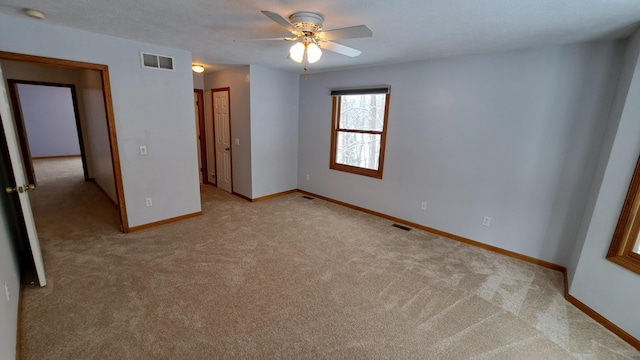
(227,149)
(20,189)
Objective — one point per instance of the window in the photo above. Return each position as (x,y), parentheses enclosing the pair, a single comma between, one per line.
(625,246)
(359,130)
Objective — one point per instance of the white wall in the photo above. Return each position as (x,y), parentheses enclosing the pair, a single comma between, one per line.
(606,287)
(510,135)
(237,80)
(152,108)
(97,134)
(49,120)
(274,131)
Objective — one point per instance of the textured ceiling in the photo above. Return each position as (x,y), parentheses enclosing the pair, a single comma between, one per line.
(403,30)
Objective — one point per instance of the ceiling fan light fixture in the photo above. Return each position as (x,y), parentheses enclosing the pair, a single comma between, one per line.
(307,28)
(197,68)
(313,53)
(296,53)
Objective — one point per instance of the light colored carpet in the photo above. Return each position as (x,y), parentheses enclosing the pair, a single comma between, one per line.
(283,278)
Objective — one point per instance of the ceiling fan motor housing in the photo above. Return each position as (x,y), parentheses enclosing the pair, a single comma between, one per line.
(307,28)
(306,21)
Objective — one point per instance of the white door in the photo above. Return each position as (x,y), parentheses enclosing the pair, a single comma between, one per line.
(195,105)
(221,123)
(21,189)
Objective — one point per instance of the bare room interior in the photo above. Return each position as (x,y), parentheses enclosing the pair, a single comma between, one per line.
(352,179)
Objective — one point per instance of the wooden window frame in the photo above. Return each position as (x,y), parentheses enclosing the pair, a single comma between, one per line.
(626,234)
(335,129)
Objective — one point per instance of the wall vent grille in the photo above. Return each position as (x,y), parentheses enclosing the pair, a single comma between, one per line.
(155,61)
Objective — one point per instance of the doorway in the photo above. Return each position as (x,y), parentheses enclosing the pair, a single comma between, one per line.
(104,102)
(48,113)
(222,138)
(198,103)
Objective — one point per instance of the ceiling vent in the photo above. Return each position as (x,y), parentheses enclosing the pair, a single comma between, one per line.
(154,61)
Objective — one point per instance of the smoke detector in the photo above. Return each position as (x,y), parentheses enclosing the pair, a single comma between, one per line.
(36,14)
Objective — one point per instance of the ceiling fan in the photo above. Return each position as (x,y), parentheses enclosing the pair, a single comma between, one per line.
(309,37)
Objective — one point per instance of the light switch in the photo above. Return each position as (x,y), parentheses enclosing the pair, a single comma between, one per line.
(143,150)
(237,141)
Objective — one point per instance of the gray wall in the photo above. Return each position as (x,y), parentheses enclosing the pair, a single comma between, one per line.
(237,80)
(264,118)
(510,135)
(97,134)
(151,107)
(608,288)
(274,131)
(49,119)
(9,274)
(198,81)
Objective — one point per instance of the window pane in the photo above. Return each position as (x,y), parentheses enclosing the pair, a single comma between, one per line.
(361,150)
(362,112)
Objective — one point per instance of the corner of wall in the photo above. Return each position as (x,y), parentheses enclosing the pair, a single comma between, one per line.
(607,288)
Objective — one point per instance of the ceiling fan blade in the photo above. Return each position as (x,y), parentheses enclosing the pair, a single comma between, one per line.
(282,22)
(340,49)
(359,31)
(270,39)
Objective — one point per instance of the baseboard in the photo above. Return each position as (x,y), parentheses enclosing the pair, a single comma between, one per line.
(263,198)
(604,321)
(241,196)
(577,303)
(274,195)
(55,157)
(495,249)
(163,222)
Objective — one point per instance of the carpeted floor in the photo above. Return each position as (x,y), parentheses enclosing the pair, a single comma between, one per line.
(283,278)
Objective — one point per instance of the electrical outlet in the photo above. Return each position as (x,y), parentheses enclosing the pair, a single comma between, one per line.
(148,201)
(143,150)
(308,177)
(486,221)
(6,290)
(423,206)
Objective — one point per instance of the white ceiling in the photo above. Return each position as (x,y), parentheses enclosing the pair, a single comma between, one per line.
(403,30)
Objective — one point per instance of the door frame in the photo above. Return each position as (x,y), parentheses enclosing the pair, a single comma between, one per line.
(204,173)
(23,137)
(108,104)
(213,123)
